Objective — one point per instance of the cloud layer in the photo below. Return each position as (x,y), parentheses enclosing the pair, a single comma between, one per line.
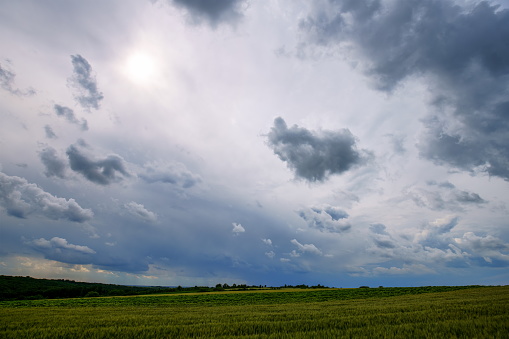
(388,163)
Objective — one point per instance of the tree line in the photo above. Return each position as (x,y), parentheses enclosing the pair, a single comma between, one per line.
(25,288)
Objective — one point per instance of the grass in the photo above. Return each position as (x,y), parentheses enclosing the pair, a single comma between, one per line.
(349,313)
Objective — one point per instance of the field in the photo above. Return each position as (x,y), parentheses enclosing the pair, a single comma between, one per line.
(437,312)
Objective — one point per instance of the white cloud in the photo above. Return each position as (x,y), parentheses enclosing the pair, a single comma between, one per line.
(267,242)
(416,269)
(238,228)
(310,248)
(139,211)
(57,243)
(488,247)
(20,199)
(328,219)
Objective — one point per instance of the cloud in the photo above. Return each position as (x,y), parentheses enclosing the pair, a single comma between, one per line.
(461,51)
(270,254)
(60,250)
(315,155)
(398,143)
(238,228)
(381,237)
(55,166)
(309,248)
(103,171)
(20,198)
(213,12)
(267,242)
(378,228)
(472,241)
(431,234)
(437,243)
(57,244)
(7,83)
(443,196)
(171,173)
(49,132)
(431,245)
(415,269)
(469,197)
(328,219)
(84,82)
(138,210)
(492,250)
(68,114)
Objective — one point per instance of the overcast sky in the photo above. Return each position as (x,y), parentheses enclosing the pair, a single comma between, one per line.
(194,142)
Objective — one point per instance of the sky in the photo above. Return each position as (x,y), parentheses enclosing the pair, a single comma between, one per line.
(192,142)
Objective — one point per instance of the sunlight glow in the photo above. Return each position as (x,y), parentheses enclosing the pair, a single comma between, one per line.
(141,68)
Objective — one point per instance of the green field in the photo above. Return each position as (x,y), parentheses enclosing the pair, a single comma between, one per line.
(432,312)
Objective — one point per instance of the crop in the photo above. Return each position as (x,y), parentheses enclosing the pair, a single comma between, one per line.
(333,313)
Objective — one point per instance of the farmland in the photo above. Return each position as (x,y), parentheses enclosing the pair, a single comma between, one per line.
(440,312)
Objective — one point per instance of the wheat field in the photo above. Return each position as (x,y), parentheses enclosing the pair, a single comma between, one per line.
(463,313)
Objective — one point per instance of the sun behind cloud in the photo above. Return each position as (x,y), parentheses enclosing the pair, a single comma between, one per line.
(141,67)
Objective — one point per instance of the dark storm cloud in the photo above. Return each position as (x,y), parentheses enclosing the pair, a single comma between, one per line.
(68,114)
(315,155)
(463,52)
(7,83)
(328,219)
(214,12)
(20,199)
(83,80)
(103,171)
(55,166)
(175,173)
